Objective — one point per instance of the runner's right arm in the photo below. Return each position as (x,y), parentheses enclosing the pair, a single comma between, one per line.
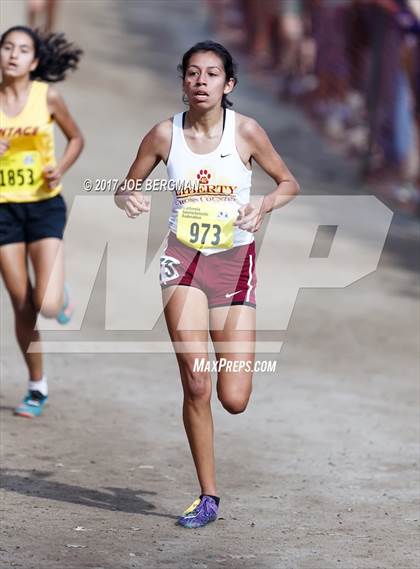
(153,148)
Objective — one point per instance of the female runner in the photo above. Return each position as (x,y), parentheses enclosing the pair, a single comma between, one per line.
(32,211)
(208,266)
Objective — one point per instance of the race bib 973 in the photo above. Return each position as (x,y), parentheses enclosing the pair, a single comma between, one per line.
(206,225)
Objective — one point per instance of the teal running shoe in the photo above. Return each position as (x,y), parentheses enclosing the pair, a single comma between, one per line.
(32,406)
(65,314)
(201,512)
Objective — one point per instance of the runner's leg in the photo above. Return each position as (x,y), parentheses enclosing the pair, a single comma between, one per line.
(13,267)
(47,258)
(232,330)
(191,303)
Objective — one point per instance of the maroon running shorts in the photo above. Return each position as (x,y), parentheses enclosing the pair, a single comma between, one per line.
(227,278)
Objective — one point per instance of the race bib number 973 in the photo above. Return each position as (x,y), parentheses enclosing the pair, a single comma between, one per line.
(206,226)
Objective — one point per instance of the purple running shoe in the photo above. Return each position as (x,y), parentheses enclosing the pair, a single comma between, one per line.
(202,511)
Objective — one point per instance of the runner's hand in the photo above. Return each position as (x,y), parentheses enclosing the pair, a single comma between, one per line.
(4,146)
(251,216)
(135,204)
(53,176)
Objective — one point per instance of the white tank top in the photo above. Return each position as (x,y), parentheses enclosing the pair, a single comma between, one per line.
(217,176)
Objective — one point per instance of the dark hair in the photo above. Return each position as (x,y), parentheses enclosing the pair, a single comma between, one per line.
(229,64)
(55,54)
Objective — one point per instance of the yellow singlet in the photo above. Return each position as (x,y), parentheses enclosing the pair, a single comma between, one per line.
(31,138)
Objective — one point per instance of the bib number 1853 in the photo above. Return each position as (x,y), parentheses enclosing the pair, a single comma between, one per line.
(20,171)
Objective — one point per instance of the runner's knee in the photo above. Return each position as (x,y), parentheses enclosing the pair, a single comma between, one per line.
(48,305)
(234,403)
(197,384)
(21,301)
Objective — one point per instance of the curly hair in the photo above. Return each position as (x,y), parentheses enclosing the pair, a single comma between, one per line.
(54,53)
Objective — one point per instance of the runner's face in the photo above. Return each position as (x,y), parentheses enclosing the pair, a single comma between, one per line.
(17,55)
(205,80)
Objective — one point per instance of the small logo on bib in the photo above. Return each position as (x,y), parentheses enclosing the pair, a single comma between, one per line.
(28,160)
(223,215)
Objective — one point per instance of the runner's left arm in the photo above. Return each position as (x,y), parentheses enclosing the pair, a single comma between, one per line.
(262,151)
(61,114)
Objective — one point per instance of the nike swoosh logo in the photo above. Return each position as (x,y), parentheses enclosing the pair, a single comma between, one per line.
(228,295)
(224,155)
